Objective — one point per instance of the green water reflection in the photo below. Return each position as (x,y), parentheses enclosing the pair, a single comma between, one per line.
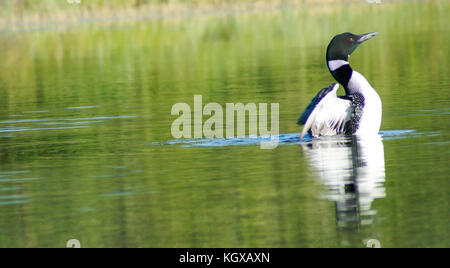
(81,110)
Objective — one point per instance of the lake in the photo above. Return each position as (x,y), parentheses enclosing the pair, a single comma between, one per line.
(87,153)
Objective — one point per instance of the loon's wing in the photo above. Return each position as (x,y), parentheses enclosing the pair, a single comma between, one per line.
(327,114)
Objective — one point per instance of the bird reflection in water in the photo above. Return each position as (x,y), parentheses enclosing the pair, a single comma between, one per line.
(353,174)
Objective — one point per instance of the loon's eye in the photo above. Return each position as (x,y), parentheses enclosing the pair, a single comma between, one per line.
(352,40)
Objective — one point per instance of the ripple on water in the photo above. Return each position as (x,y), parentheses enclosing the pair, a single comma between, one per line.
(36,112)
(14,176)
(20,180)
(440,111)
(57,124)
(81,107)
(7,192)
(66,119)
(85,209)
(23,129)
(117,194)
(119,172)
(127,193)
(10,173)
(70,123)
(9,189)
(284,139)
(438,143)
(12,199)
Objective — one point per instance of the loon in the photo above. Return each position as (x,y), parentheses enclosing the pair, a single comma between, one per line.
(359,111)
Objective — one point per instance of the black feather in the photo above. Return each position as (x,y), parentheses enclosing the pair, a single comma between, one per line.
(322,93)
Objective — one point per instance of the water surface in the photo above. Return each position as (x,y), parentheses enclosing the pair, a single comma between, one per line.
(86,150)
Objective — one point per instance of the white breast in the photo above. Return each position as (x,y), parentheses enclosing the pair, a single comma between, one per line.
(372,112)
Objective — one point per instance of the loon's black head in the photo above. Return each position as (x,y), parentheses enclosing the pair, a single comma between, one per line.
(342,45)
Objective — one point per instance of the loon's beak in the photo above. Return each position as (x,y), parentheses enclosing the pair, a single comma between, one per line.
(366,37)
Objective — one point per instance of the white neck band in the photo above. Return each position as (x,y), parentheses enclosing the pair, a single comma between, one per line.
(336,64)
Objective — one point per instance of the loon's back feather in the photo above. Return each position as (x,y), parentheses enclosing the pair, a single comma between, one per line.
(316,100)
(327,114)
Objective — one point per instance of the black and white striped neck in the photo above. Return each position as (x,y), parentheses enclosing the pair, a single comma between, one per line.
(342,72)
(352,81)
(338,52)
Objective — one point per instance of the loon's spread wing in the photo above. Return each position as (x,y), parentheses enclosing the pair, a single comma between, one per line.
(327,114)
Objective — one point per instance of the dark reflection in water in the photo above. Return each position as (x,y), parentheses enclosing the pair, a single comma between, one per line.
(353,173)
